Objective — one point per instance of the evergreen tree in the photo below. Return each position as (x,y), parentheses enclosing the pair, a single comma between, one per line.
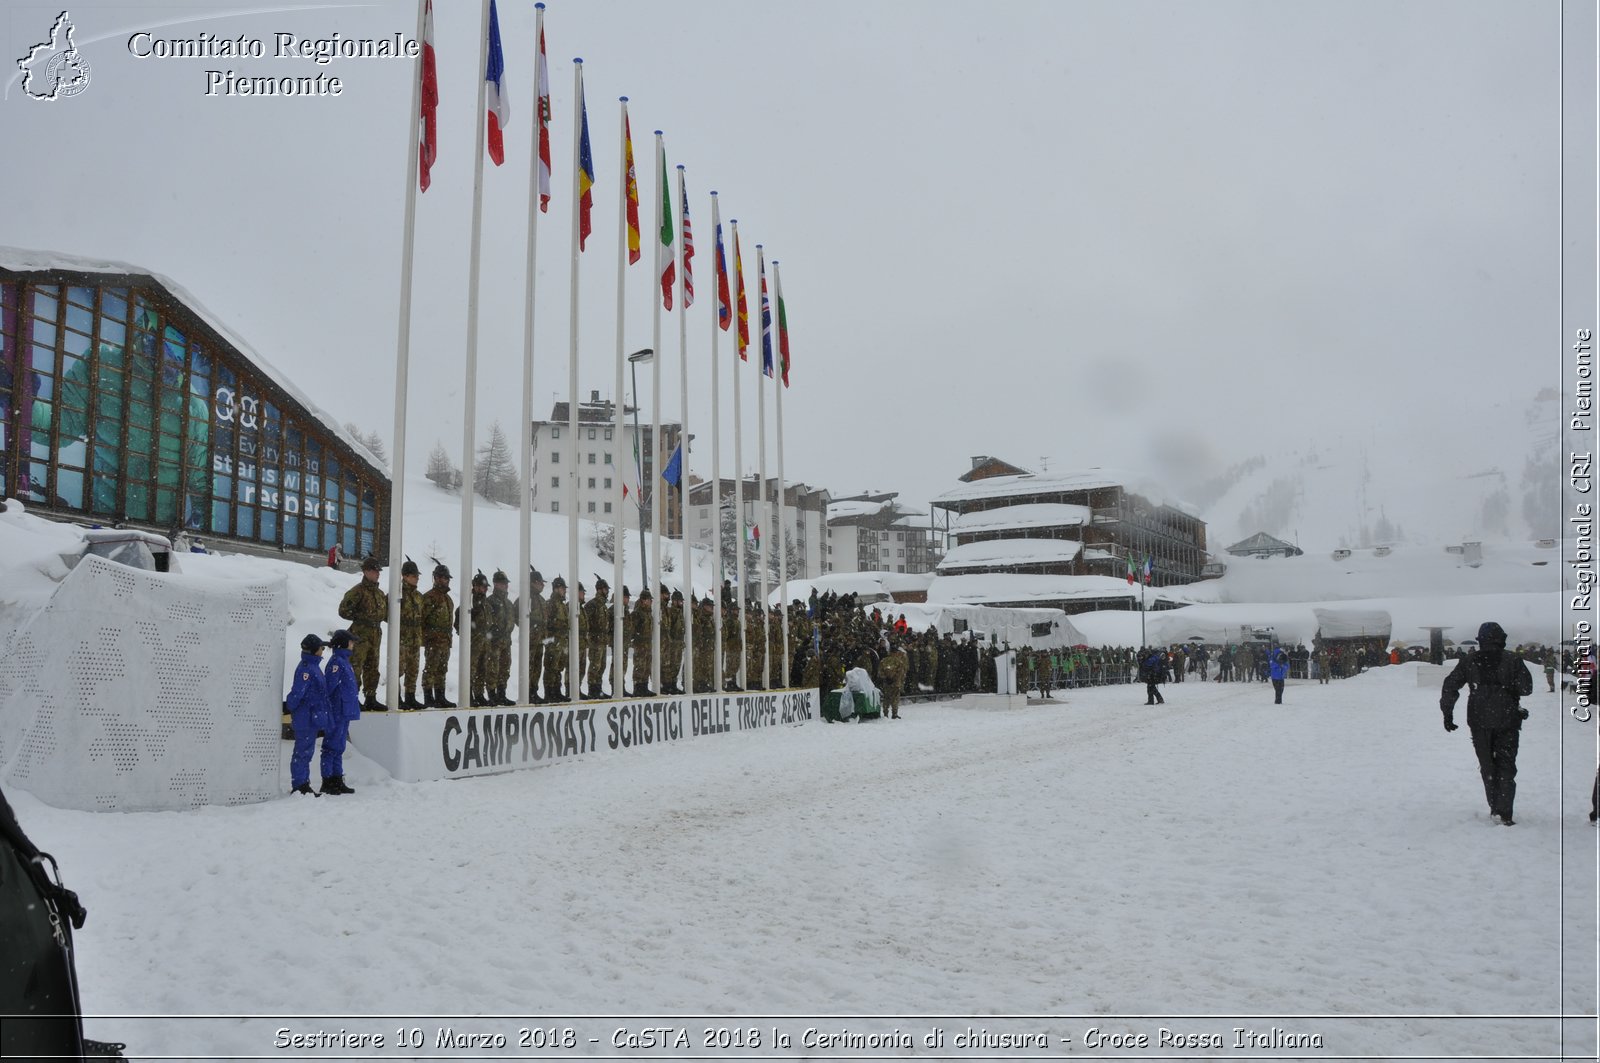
(494,476)
(440,469)
(371,440)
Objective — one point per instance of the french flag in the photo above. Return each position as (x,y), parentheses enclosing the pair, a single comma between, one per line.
(496,102)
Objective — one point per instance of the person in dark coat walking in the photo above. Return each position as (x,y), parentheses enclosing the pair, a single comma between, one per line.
(1497,680)
(1152,670)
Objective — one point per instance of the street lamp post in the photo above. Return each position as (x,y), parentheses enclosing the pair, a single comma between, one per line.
(642,355)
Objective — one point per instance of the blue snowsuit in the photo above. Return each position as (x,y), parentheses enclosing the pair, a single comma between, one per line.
(308,714)
(344,705)
(1278,671)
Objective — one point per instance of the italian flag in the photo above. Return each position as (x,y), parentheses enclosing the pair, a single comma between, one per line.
(666,253)
(1130,570)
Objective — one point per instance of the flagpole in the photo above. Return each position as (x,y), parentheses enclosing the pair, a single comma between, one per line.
(738,465)
(525,525)
(402,366)
(628,188)
(716,452)
(761,451)
(779,386)
(574,650)
(470,385)
(663,218)
(685,293)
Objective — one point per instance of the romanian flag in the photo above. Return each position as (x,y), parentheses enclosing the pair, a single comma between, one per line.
(666,253)
(741,304)
(428,141)
(630,187)
(585,169)
(495,99)
(724,310)
(688,252)
(544,120)
(766,317)
(783,326)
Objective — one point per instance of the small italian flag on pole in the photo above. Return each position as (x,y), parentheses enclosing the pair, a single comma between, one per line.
(754,534)
(1130,570)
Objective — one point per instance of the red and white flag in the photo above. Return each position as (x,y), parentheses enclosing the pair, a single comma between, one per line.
(428,138)
(543,75)
(688,252)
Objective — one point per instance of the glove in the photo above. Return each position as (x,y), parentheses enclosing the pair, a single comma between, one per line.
(1449,724)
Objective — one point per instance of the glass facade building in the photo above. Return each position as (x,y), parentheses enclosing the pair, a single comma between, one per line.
(118,402)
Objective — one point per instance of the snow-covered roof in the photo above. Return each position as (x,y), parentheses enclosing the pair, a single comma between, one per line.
(855,507)
(978,589)
(993,553)
(24,260)
(1031,484)
(1030,515)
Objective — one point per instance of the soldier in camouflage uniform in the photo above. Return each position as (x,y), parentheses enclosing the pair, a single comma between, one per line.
(481,650)
(775,648)
(537,610)
(639,631)
(705,646)
(732,642)
(366,606)
(672,630)
(755,647)
(557,620)
(410,633)
(891,676)
(502,614)
(438,632)
(596,637)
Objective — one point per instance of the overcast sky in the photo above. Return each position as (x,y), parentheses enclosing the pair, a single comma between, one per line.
(1122,234)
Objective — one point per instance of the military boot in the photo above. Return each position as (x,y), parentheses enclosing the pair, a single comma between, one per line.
(500,697)
(410,702)
(440,700)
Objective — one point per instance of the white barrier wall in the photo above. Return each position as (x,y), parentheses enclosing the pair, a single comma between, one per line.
(456,743)
(133,691)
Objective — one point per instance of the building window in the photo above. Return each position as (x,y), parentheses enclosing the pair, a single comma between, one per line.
(555,481)
(591,507)
(591,433)
(900,553)
(555,457)
(608,507)
(608,455)
(608,483)
(555,507)
(591,457)
(608,432)
(555,432)
(591,483)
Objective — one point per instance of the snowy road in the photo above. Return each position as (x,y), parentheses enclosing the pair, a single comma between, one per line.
(1217,856)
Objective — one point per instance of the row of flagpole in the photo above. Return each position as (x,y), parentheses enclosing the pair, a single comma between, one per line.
(674,269)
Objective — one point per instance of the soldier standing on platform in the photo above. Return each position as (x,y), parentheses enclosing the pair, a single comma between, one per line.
(538,610)
(705,645)
(556,623)
(481,652)
(438,632)
(755,645)
(639,626)
(502,620)
(671,643)
(410,633)
(732,643)
(366,606)
(775,648)
(597,637)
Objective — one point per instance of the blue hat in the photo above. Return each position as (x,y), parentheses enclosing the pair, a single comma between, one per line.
(311,643)
(341,639)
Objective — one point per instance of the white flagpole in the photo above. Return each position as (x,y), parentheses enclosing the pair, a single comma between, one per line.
(686,573)
(778,389)
(525,526)
(402,366)
(738,480)
(469,417)
(716,454)
(655,425)
(574,650)
(629,181)
(761,451)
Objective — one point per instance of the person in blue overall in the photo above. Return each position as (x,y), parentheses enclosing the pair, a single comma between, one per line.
(308,712)
(1278,671)
(344,705)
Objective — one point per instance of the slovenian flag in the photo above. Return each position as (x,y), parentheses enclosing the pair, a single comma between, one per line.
(724,311)
(496,101)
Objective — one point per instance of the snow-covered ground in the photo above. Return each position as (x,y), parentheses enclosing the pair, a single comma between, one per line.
(1326,867)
